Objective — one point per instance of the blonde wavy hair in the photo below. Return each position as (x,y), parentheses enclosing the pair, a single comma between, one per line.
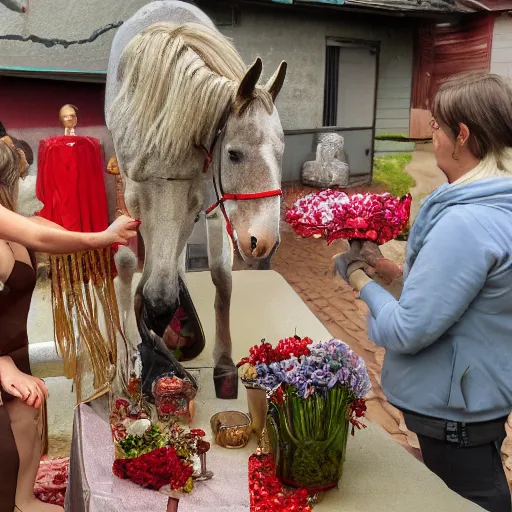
(177,82)
(10,162)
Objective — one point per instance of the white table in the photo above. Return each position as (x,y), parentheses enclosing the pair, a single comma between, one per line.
(378,476)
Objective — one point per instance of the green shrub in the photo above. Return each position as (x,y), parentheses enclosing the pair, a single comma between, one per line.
(392,136)
(388,171)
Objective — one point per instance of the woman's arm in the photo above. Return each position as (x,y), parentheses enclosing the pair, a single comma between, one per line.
(41,221)
(16,228)
(449,272)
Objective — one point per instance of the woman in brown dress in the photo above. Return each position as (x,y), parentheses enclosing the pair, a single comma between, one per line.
(22,395)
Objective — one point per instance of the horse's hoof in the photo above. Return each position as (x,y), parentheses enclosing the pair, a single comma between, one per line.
(225,379)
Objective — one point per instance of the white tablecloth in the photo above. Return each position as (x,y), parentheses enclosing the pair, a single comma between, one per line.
(379,475)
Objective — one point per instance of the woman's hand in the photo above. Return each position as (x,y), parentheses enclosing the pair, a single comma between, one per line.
(29,389)
(369,259)
(377,264)
(344,264)
(121,230)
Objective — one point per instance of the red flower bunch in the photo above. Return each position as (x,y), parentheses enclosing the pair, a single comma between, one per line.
(156,469)
(52,480)
(264,353)
(266,492)
(277,396)
(333,214)
(292,347)
(188,443)
(357,410)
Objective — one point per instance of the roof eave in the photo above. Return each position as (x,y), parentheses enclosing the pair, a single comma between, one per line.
(356,7)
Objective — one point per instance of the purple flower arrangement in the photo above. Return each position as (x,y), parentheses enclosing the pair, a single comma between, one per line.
(314,398)
(329,364)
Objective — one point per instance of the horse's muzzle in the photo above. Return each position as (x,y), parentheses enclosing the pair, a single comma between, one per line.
(156,320)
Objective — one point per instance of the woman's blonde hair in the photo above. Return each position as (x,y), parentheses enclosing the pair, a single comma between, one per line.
(483,102)
(9,175)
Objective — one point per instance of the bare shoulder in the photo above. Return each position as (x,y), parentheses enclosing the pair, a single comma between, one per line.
(6,261)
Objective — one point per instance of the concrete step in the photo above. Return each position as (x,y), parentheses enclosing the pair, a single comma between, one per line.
(61,405)
(45,360)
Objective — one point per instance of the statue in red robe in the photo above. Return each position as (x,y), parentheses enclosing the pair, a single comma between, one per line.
(70,179)
(71,187)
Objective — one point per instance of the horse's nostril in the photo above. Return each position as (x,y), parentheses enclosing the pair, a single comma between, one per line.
(254,243)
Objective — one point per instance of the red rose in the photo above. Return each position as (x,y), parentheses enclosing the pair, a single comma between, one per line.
(119,468)
(166,409)
(202,447)
(59,479)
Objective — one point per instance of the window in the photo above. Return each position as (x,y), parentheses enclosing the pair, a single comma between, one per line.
(332,72)
(350,84)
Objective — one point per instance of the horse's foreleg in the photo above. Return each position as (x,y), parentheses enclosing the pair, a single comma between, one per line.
(128,356)
(220,256)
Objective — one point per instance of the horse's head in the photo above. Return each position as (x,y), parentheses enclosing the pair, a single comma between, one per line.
(250,157)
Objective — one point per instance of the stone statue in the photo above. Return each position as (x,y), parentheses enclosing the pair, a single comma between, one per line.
(330,168)
(68,116)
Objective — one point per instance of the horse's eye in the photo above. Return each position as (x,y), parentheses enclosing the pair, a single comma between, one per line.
(234,156)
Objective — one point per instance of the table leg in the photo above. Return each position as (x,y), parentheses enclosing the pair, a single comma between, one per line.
(172,505)
(44,430)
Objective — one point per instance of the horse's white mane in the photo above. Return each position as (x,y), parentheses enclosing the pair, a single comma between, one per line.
(176,83)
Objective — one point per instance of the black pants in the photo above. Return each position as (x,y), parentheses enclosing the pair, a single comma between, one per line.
(476,473)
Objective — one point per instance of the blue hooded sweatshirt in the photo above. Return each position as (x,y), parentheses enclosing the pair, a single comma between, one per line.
(448,339)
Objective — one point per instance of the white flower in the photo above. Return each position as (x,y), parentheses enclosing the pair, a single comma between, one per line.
(138,428)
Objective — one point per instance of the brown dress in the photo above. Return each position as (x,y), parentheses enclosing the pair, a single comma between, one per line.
(14,306)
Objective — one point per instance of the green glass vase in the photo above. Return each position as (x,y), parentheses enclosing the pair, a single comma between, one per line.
(308,438)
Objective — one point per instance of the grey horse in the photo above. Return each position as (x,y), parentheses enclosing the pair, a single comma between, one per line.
(184,110)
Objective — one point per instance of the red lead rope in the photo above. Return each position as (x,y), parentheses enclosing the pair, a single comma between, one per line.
(243,197)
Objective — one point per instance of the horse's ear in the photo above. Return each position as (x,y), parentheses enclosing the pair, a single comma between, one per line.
(248,84)
(275,84)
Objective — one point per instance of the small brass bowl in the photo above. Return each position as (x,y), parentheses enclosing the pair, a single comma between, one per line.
(231,429)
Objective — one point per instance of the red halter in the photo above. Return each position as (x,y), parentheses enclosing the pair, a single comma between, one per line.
(222,197)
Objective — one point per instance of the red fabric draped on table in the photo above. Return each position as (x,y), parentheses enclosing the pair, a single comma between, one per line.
(70,183)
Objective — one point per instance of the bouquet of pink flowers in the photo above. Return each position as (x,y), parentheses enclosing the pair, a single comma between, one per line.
(332,214)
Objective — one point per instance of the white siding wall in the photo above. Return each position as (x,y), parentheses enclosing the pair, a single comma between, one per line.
(395,82)
(300,39)
(501,57)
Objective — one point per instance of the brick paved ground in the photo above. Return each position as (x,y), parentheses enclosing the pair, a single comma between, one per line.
(306,264)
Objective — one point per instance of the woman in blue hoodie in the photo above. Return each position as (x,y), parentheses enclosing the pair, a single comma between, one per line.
(448,340)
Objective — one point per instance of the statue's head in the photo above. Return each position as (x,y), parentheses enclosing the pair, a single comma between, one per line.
(68,116)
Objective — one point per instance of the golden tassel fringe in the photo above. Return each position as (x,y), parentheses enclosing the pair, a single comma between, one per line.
(79,281)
